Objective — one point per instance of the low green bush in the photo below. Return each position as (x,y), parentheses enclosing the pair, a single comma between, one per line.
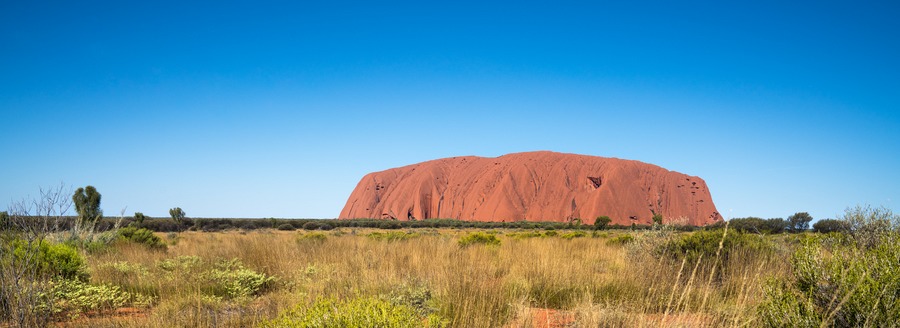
(142,236)
(316,237)
(573,235)
(286,227)
(53,260)
(841,280)
(231,280)
(358,312)
(707,244)
(74,297)
(392,235)
(479,238)
(620,240)
(525,234)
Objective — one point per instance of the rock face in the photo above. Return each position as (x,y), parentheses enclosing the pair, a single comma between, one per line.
(533,186)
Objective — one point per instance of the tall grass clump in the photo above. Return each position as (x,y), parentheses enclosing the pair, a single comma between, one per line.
(850,280)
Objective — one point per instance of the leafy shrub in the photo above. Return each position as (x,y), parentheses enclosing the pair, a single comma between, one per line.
(573,234)
(479,238)
(525,234)
(232,280)
(550,233)
(325,226)
(358,312)
(831,225)
(184,263)
(836,283)
(286,227)
(758,225)
(842,280)
(50,259)
(316,237)
(142,236)
(710,243)
(392,235)
(75,297)
(389,224)
(311,226)
(620,240)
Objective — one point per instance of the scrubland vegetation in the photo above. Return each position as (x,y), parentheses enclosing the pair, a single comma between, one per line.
(368,277)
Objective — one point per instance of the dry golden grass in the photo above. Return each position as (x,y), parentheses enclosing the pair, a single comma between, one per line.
(585,279)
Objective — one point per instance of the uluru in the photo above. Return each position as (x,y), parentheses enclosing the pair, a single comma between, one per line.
(533,186)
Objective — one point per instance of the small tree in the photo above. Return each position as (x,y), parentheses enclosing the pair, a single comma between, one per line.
(139,217)
(177,214)
(602,222)
(87,204)
(799,222)
(4,219)
(657,218)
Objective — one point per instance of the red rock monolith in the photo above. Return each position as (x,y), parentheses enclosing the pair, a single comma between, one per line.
(533,186)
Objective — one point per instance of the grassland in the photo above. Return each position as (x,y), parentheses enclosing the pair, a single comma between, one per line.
(588,279)
(367,277)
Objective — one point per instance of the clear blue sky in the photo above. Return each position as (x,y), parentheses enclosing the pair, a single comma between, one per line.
(265,109)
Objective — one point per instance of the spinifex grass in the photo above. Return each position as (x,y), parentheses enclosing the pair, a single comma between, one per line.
(475,285)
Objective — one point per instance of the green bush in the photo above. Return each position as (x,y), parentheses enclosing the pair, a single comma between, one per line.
(48,259)
(837,284)
(390,224)
(620,240)
(316,237)
(841,280)
(232,280)
(525,234)
(479,238)
(286,227)
(709,243)
(311,226)
(573,234)
(831,225)
(392,235)
(74,297)
(358,312)
(142,236)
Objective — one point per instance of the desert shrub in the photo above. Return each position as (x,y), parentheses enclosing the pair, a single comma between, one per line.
(142,236)
(758,225)
(286,227)
(392,235)
(831,225)
(357,312)
(316,237)
(550,233)
(840,280)
(525,234)
(311,226)
(479,238)
(573,234)
(232,280)
(75,297)
(50,259)
(184,263)
(389,224)
(836,283)
(620,240)
(325,226)
(708,244)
